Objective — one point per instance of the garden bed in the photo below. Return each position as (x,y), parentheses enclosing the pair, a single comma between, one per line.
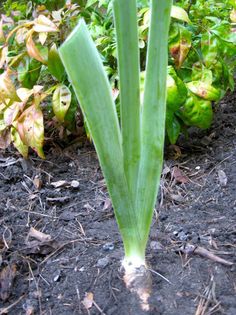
(80,249)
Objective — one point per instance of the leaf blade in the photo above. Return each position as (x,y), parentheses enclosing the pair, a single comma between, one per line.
(125,16)
(90,83)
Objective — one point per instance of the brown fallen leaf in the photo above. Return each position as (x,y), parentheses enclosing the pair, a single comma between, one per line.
(88,300)
(177,198)
(7,276)
(29,310)
(5,139)
(107,204)
(37,183)
(174,152)
(40,236)
(42,248)
(179,175)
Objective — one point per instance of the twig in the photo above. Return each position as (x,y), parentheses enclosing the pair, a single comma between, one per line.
(37,288)
(160,275)
(206,253)
(5,310)
(192,249)
(228,157)
(98,308)
(207,298)
(40,214)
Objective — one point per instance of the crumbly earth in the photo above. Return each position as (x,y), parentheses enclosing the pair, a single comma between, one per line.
(73,266)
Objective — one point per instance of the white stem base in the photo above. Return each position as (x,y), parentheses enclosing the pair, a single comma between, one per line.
(133,262)
(138,279)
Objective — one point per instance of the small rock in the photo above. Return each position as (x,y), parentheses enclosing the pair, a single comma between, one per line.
(177,198)
(102,262)
(108,246)
(155,246)
(182,236)
(57,275)
(74,184)
(68,216)
(222,178)
(163,217)
(112,310)
(195,238)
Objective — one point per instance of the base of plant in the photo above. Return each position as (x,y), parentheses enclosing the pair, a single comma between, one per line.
(138,280)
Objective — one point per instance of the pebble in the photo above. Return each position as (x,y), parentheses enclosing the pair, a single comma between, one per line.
(57,275)
(112,310)
(102,262)
(108,247)
(222,178)
(163,217)
(74,184)
(155,246)
(68,216)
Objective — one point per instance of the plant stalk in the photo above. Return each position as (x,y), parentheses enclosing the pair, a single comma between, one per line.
(88,78)
(153,115)
(125,16)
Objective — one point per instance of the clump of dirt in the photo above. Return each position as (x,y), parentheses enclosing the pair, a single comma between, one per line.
(60,249)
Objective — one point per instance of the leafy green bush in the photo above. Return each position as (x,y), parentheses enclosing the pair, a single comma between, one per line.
(33,76)
(202,49)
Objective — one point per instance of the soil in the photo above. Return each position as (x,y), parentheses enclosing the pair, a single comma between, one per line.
(73,265)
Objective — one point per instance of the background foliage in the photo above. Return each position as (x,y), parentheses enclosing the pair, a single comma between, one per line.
(35,93)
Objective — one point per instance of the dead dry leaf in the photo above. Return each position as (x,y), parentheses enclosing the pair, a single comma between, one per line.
(177,198)
(174,152)
(107,204)
(32,49)
(37,183)
(40,236)
(44,24)
(30,127)
(5,139)
(88,300)
(42,248)
(7,276)
(179,175)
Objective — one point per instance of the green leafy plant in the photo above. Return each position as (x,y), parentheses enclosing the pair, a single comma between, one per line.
(131,155)
(33,74)
(202,49)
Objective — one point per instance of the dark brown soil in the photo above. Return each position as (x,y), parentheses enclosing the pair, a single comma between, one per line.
(196,206)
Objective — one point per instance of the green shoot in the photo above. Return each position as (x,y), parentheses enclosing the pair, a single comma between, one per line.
(131,156)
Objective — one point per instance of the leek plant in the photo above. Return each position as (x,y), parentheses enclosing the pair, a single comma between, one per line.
(130,151)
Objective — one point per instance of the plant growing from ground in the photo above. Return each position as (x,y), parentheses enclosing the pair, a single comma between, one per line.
(130,155)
